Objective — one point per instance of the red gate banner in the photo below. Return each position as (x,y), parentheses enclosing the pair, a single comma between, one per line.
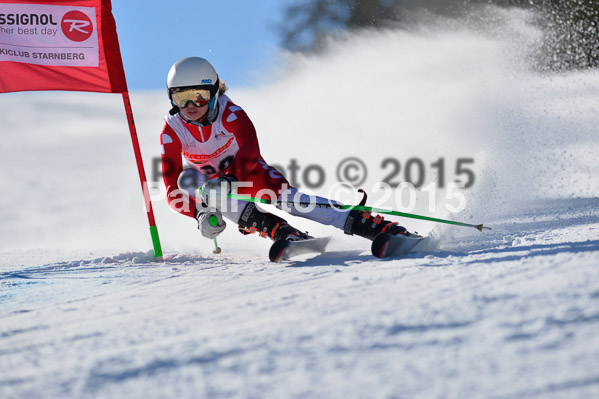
(59,45)
(67,45)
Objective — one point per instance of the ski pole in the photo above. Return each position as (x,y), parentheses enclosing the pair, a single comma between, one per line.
(479,227)
(213,222)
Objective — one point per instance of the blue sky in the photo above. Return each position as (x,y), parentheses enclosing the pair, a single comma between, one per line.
(238,37)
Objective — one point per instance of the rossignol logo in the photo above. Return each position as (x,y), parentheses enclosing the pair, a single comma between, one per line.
(76,26)
(49,34)
(27,19)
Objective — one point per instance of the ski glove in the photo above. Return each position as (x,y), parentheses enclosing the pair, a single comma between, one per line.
(215,191)
(210,228)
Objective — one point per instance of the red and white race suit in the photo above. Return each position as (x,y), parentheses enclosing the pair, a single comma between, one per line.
(228,146)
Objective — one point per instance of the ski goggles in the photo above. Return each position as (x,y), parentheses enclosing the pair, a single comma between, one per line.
(198,96)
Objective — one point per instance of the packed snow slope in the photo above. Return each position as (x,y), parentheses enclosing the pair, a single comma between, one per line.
(508,313)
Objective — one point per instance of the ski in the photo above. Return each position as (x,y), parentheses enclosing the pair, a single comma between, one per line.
(387,245)
(383,246)
(283,249)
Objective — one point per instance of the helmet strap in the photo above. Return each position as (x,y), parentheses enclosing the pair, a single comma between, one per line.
(211,103)
(214,93)
(175,110)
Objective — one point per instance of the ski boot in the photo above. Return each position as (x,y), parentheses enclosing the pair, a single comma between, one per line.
(268,225)
(388,239)
(288,241)
(364,224)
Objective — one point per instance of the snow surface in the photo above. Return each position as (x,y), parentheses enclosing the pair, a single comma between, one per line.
(508,313)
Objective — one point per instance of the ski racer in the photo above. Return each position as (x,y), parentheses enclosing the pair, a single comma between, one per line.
(217,141)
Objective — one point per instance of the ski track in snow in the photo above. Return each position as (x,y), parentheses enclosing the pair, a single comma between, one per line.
(508,313)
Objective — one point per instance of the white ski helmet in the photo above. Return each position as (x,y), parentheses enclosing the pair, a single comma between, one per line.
(193,72)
